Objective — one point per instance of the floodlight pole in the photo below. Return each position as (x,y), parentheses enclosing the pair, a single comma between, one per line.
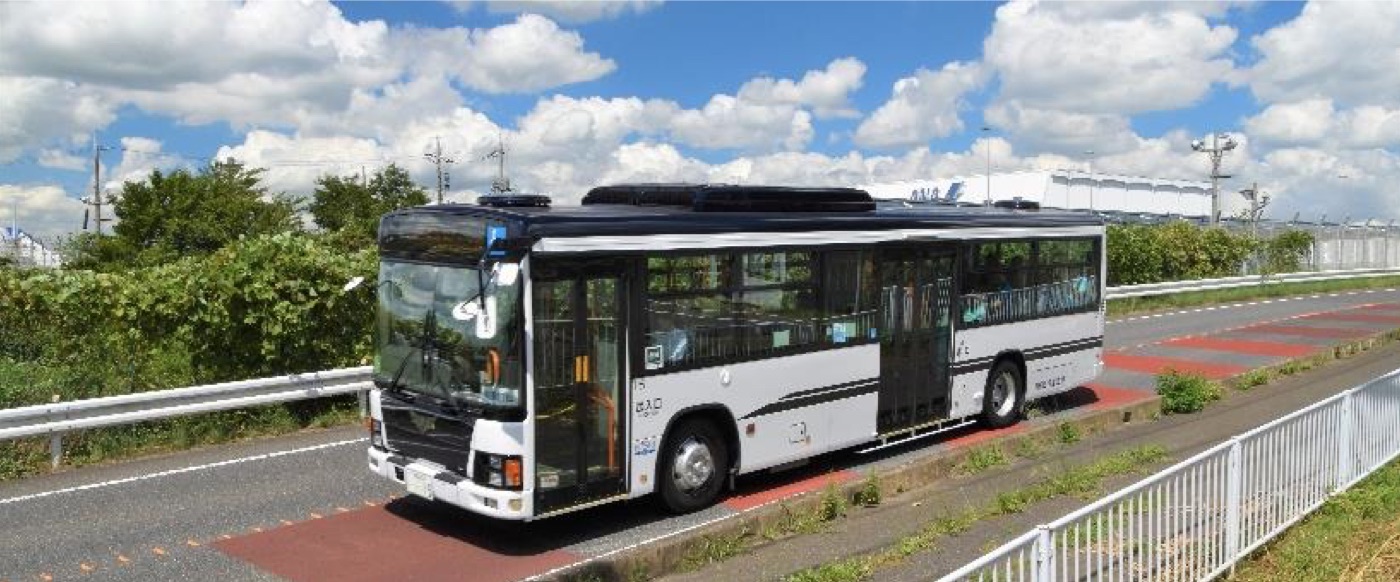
(1216,153)
(1090,153)
(986,132)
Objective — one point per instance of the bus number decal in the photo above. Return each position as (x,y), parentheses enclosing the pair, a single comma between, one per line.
(1050,383)
(647,408)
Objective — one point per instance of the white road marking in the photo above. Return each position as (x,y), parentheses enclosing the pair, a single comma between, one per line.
(170,472)
(1235,305)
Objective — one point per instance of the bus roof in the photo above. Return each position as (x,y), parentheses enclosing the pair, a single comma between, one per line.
(628,220)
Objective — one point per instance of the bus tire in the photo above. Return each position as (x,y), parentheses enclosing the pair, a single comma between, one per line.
(693,466)
(1005,395)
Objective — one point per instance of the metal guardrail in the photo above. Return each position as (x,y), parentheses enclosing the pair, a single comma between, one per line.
(1148,289)
(1199,518)
(55,419)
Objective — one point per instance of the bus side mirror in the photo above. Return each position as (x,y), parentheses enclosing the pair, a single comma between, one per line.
(506,274)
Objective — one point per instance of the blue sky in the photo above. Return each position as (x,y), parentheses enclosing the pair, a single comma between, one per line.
(774,92)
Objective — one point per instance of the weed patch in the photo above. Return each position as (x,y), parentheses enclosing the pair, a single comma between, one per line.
(1185,393)
(981,459)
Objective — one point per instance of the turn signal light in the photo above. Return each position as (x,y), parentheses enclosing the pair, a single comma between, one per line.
(512,471)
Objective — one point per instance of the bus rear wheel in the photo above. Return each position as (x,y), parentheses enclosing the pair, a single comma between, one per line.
(693,466)
(1005,395)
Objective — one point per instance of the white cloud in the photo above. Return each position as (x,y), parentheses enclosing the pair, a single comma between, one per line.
(139,157)
(726,122)
(1309,180)
(293,164)
(1060,131)
(258,64)
(530,54)
(1125,60)
(202,62)
(1342,50)
(39,112)
(1315,122)
(572,11)
(45,211)
(827,91)
(62,160)
(922,107)
(1306,121)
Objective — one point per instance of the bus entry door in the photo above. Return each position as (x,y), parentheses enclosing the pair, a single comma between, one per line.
(578,320)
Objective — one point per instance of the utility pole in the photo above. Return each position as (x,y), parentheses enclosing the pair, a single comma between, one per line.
(501,184)
(14,227)
(97,150)
(443,177)
(1257,202)
(1216,152)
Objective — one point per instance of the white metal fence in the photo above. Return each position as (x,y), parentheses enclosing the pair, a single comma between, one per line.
(1197,519)
(1359,245)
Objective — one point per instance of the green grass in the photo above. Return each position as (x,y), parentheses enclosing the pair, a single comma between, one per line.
(1069,433)
(1253,378)
(1355,536)
(716,549)
(981,459)
(1120,307)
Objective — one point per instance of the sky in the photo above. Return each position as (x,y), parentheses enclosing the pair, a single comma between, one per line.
(794,93)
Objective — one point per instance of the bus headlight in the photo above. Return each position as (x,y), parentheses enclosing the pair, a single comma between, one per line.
(498,471)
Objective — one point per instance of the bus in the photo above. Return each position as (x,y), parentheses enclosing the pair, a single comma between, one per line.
(533,360)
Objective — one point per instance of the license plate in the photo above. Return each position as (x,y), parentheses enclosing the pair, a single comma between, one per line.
(419,483)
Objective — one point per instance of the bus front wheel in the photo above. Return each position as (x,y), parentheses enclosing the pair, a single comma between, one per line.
(693,466)
(1005,396)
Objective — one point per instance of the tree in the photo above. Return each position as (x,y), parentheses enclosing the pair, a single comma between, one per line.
(184,212)
(346,204)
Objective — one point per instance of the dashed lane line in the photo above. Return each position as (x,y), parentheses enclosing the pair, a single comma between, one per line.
(1248,304)
(182,470)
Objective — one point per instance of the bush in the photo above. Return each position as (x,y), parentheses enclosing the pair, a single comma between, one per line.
(1286,252)
(1175,251)
(260,307)
(1185,393)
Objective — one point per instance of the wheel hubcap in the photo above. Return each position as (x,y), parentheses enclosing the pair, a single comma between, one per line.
(694,465)
(1003,393)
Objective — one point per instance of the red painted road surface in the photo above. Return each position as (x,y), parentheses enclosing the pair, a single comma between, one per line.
(374,544)
(1257,348)
(407,541)
(1155,365)
(1309,331)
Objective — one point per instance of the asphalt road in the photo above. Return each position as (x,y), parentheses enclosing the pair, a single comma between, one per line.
(160,518)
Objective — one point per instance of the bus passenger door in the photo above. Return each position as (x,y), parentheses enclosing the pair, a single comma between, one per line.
(915,335)
(579,323)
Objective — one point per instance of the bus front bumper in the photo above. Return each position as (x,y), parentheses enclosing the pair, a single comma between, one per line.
(432,481)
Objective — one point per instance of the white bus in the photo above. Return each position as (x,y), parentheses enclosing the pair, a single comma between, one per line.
(531,361)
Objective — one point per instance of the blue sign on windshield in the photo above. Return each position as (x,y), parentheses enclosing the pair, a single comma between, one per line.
(494,233)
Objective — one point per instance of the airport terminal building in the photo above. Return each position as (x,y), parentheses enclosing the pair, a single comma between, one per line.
(1066,189)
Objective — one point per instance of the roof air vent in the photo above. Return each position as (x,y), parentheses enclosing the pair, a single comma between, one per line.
(734,198)
(513,200)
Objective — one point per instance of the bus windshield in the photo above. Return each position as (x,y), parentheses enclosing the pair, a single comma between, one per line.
(440,333)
